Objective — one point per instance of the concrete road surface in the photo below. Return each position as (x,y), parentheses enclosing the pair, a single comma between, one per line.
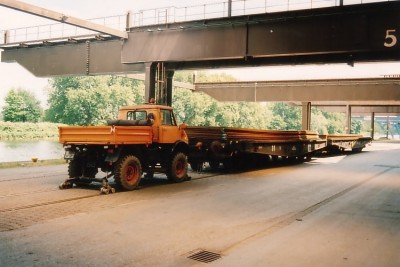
(332,211)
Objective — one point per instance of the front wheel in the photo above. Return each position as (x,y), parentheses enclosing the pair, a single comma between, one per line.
(127,172)
(177,169)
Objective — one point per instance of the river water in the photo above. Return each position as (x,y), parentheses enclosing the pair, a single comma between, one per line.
(12,151)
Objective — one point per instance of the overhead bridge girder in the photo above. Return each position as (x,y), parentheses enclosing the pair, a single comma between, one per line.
(364,32)
(86,58)
(367,32)
(378,90)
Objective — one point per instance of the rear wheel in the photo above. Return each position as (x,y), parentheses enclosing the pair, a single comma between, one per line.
(75,168)
(127,172)
(177,169)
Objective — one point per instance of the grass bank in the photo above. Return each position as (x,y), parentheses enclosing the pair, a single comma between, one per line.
(28,130)
(6,165)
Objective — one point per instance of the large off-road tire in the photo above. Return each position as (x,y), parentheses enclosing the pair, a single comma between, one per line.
(90,172)
(177,168)
(75,168)
(127,172)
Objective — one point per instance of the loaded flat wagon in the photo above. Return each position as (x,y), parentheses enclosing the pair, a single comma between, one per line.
(342,142)
(237,147)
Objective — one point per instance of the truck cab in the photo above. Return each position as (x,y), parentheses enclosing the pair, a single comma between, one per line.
(162,119)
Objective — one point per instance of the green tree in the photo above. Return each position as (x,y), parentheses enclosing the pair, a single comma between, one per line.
(202,77)
(91,100)
(199,109)
(195,109)
(336,122)
(289,117)
(319,122)
(277,123)
(356,126)
(21,106)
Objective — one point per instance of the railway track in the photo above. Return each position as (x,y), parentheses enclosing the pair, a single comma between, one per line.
(43,200)
(33,198)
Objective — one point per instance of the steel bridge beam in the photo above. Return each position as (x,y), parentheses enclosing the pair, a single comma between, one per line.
(361,108)
(53,15)
(347,34)
(373,90)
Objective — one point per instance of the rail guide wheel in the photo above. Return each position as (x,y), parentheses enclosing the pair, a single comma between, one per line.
(106,187)
(66,185)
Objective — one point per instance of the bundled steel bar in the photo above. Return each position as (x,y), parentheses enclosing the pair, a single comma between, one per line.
(241,134)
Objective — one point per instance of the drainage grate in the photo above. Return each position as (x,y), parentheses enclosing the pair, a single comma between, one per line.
(205,256)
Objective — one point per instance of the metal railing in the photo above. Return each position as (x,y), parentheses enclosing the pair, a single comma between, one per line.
(57,31)
(148,17)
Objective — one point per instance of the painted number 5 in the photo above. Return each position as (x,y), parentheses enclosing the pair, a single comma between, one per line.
(390,39)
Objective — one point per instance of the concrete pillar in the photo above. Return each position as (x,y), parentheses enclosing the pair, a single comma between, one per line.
(306,116)
(387,127)
(149,81)
(160,84)
(170,78)
(128,21)
(348,119)
(229,8)
(6,37)
(373,125)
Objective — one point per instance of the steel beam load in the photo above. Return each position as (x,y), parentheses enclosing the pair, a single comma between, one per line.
(250,135)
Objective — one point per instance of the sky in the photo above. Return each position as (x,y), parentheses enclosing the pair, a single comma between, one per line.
(13,75)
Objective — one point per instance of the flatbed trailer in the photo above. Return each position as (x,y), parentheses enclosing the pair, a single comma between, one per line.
(236,147)
(341,142)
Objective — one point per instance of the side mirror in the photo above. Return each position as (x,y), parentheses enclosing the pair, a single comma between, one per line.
(183,126)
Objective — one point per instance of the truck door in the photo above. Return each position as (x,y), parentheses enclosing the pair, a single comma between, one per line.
(169,130)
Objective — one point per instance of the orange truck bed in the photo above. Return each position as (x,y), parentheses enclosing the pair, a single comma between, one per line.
(105,135)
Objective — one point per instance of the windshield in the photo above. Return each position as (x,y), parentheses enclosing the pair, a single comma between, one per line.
(136,115)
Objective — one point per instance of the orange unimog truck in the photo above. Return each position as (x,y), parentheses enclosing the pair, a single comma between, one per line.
(144,139)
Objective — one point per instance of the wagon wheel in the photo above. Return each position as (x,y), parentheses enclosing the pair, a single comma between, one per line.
(214,165)
(196,165)
(127,172)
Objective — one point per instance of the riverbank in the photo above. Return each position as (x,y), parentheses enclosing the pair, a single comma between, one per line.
(11,131)
(7,165)
(22,151)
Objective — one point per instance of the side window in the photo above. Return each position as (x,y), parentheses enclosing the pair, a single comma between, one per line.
(167,117)
(136,115)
